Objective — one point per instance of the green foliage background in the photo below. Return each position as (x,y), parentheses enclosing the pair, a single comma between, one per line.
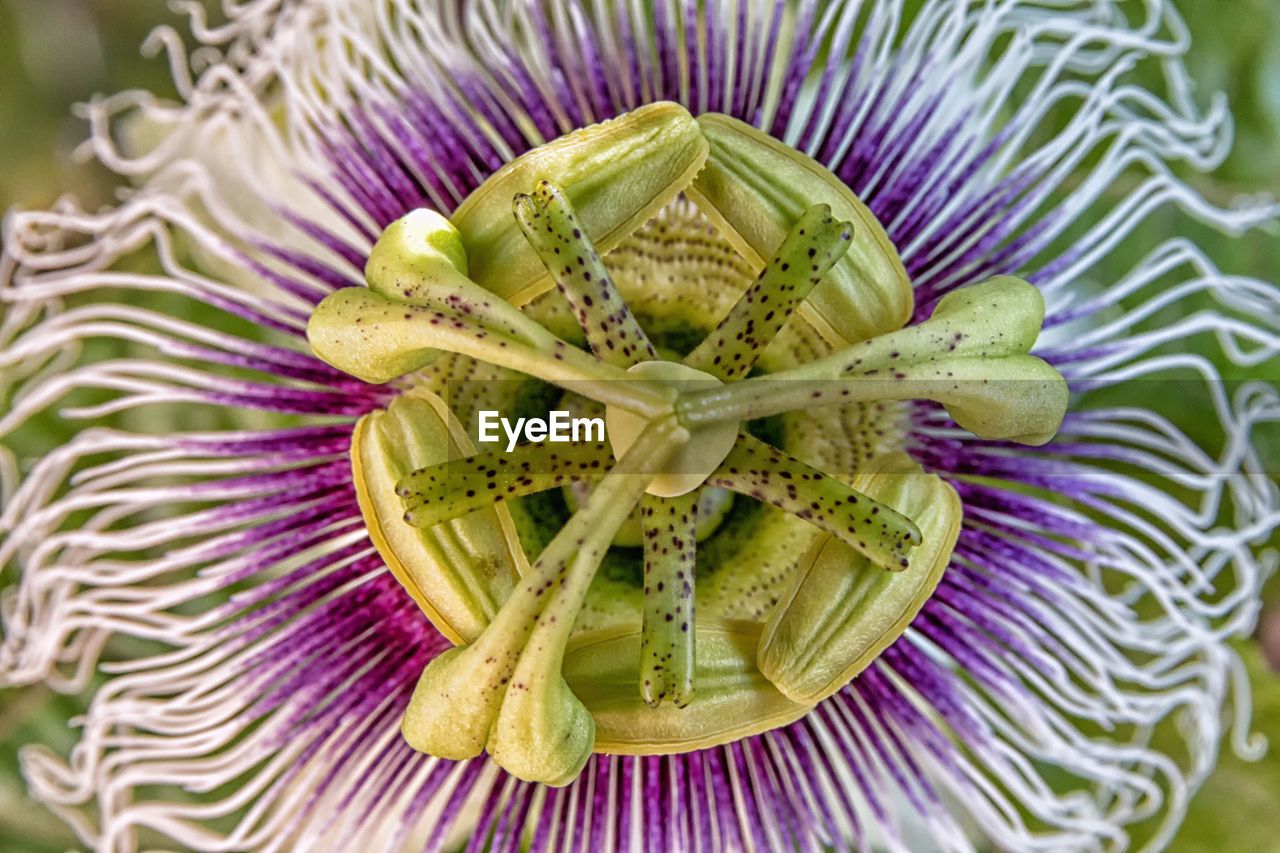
(54,53)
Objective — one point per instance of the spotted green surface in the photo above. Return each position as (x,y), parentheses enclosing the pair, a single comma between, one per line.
(880,533)
(549,224)
(811,248)
(964,356)
(617,174)
(504,692)
(667,647)
(450,489)
(842,610)
(755,189)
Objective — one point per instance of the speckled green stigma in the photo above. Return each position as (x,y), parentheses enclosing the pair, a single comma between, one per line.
(751,534)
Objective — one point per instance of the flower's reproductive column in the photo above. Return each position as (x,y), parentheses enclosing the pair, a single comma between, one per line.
(547,277)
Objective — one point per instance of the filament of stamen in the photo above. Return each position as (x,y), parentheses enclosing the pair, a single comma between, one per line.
(547,219)
(877,531)
(454,488)
(809,251)
(667,646)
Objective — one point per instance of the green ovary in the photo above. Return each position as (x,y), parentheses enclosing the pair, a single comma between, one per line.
(735,550)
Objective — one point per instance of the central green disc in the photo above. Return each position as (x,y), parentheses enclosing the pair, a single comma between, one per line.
(691,465)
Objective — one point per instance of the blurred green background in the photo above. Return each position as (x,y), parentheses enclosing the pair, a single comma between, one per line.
(54,53)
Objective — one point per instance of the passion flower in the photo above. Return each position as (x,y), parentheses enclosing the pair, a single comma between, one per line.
(841,572)
(675,426)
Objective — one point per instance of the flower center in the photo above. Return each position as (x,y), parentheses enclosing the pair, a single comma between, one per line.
(777,301)
(708,445)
